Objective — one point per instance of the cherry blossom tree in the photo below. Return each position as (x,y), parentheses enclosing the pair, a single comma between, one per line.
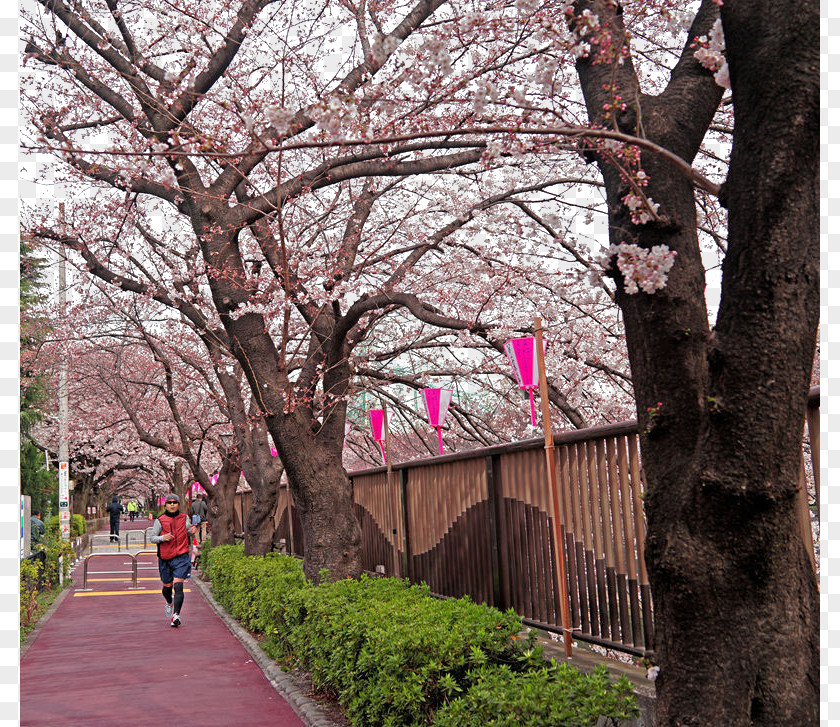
(317,189)
(721,409)
(299,253)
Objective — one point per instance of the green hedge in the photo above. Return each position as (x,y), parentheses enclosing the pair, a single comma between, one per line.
(394,655)
(78,526)
(557,695)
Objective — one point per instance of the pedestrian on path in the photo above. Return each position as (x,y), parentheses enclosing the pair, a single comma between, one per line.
(132,510)
(114,512)
(199,508)
(171,533)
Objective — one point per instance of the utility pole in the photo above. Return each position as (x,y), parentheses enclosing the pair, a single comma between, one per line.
(63,408)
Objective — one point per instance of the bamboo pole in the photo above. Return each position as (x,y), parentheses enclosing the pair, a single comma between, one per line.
(551,480)
(389,503)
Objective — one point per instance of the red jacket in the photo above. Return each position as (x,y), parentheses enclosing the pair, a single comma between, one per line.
(179,527)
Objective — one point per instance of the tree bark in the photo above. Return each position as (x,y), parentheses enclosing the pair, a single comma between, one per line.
(323,497)
(735,597)
(220,503)
(262,471)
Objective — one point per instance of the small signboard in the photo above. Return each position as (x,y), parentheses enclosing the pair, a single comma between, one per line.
(63,485)
(64,499)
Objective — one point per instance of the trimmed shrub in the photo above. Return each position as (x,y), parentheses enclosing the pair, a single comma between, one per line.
(78,526)
(391,652)
(394,655)
(557,695)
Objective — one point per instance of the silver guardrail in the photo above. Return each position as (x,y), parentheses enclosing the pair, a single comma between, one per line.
(127,539)
(122,554)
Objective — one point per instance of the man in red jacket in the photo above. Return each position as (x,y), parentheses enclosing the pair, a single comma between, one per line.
(171,532)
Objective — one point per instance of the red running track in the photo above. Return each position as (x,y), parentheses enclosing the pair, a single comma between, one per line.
(114,660)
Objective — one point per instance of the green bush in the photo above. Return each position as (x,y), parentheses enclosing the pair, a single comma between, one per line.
(394,655)
(29,576)
(204,554)
(77,525)
(54,547)
(556,694)
(391,652)
(255,590)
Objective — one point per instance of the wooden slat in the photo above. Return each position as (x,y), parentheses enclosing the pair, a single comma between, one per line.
(579,560)
(813,420)
(805,515)
(639,522)
(569,535)
(597,526)
(588,540)
(609,538)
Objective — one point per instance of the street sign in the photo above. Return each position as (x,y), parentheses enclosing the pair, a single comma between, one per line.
(63,484)
(64,499)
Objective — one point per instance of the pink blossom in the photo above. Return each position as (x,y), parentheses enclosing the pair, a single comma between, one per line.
(643,269)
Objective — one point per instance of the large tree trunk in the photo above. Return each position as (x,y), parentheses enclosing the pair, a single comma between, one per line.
(735,598)
(310,447)
(220,504)
(262,471)
(323,497)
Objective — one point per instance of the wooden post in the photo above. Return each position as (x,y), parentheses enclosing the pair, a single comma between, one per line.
(554,500)
(392,518)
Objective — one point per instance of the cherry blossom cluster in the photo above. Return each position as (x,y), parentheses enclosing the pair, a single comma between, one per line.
(645,270)
(642,209)
(712,54)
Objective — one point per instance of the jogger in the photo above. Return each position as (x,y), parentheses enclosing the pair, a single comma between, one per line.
(171,533)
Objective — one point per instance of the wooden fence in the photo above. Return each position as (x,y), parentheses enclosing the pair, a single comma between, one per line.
(478,523)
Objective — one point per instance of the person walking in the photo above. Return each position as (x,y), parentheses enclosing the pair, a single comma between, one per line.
(171,533)
(132,510)
(199,508)
(115,509)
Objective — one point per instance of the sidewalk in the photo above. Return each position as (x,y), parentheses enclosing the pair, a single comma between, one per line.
(109,657)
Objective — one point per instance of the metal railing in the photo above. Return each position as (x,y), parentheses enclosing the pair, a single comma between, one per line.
(133,557)
(123,540)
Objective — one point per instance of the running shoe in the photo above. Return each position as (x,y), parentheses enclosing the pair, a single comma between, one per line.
(168,610)
(176,621)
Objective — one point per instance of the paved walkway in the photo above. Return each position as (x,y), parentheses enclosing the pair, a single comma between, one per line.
(109,657)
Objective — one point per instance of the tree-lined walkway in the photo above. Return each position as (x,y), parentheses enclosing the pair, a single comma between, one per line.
(108,656)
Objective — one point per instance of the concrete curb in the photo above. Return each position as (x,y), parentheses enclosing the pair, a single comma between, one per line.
(305,707)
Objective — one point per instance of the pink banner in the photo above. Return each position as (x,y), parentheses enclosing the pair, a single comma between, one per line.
(437,404)
(377,427)
(522,354)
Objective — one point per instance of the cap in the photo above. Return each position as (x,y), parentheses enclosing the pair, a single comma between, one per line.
(172,497)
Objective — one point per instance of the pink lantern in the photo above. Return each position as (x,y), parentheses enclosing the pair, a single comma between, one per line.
(437,404)
(197,489)
(377,427)
(522,354)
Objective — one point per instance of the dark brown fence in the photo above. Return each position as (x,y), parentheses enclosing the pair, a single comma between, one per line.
(478,523)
